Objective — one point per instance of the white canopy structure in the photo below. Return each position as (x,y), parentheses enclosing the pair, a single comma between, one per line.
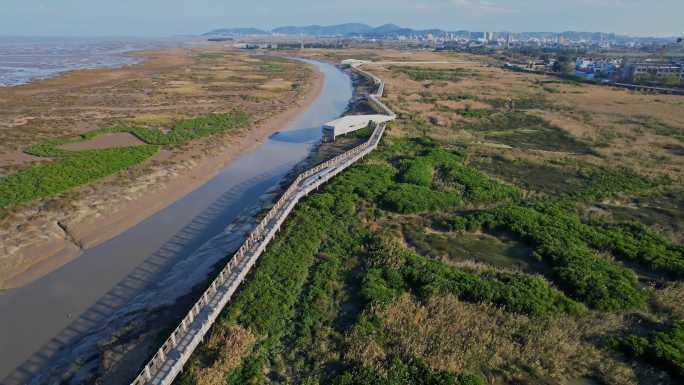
(351,123)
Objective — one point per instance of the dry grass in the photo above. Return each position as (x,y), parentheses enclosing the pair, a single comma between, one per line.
(670,300)
(624,128)
(225,347)
(277,85)
(155,119)
(184,88)
(455,336)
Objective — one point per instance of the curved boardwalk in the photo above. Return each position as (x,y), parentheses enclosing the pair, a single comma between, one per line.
(169,360)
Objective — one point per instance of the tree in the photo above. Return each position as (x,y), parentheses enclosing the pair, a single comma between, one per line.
(564,65)
(671,81)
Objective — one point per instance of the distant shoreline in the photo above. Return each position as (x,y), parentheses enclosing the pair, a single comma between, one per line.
(47,57)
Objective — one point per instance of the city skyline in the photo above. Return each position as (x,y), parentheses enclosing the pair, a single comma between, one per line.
(181,17)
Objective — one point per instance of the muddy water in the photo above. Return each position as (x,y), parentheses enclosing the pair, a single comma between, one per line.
(50,323)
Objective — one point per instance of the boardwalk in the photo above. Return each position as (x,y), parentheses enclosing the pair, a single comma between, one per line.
(169,360)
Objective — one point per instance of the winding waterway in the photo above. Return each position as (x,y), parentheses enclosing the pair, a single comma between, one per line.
(61,318)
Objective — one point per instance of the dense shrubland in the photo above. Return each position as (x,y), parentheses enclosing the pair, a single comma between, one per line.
(391,271)
(557,235)
(343,297)
(432,179)
(319,291)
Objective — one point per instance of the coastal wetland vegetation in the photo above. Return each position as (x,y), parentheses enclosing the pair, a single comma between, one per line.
(501,234)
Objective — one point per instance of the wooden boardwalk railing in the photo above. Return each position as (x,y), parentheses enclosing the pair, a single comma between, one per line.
(169,360)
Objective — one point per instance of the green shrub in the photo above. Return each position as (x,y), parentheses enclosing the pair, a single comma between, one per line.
(408,198)
(63,174)
(477,113)
(663,348)
(392,271)
(557,234)
(636,242)
(417,171)
(416,192)
(190,129)
(602,182)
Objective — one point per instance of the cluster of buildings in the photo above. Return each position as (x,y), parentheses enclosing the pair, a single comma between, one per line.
(615,69)
(606,68)
(256,45)
(654,69)
(544,40)
(632,70)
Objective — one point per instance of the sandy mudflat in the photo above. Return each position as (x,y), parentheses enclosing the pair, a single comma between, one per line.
(51,254)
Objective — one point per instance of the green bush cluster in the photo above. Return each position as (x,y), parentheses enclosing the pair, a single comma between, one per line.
(522,130)
(267,302)
(363,133)
(663,348)
(479,188)
(190,129)
(63,174)
(317,279)
(413,372)
(417,171)
(415,190)
(408,198)
(558,236)
(602,182)
(392,271)
(636,242)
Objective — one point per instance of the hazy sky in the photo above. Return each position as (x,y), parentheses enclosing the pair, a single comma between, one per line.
(169,17)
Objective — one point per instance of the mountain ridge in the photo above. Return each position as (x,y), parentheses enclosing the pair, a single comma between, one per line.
(361,29)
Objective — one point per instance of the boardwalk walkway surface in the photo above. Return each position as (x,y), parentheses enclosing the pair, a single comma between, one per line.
(169,360)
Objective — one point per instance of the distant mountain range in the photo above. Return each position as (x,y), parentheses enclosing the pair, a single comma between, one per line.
(236,31)
(393,30)
(349,29)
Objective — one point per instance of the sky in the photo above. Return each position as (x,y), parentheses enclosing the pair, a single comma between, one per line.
(180,17)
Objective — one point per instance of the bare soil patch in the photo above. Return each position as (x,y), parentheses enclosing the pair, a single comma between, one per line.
(103,141)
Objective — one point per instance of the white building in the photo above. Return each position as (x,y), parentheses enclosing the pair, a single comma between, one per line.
(351,123)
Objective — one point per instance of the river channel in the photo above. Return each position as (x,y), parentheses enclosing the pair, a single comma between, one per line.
(56,324)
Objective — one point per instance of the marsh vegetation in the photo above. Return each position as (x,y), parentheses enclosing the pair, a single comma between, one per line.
(497,248)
